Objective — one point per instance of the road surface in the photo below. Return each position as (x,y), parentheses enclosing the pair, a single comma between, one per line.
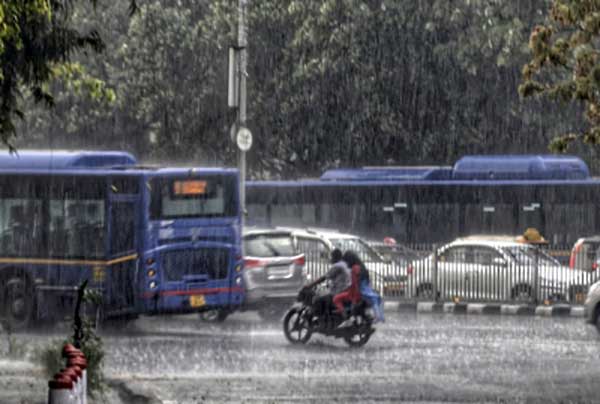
(411,358)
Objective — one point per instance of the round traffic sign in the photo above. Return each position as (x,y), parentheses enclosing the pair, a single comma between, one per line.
(244,139)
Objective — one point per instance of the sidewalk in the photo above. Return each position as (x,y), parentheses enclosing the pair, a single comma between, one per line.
(25,382)
(557,310)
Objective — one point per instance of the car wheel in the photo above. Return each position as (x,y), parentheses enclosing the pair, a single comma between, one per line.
(214,316)
(521,293)
(18,298)
(425,291)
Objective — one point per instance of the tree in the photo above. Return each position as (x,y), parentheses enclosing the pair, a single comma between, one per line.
(565,65)
(36,38)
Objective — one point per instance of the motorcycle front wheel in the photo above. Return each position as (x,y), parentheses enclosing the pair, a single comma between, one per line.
(362,332)
(296,326)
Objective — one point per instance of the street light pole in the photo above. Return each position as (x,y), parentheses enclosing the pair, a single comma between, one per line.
(241,117)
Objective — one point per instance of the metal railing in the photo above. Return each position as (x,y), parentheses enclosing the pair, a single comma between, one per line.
(481,274)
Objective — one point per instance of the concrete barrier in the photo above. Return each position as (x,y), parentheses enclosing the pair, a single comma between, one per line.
(557,310)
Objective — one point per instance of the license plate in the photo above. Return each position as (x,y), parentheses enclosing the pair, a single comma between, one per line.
(279,272)
(197,301)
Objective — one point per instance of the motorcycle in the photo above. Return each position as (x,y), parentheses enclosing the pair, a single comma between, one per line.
(302,320)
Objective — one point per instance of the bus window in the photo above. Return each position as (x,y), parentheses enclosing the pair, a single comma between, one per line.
(257,213)
(286,215)
(434,222)
(489,218)
(76,228)
(565,223)
(21,227)
(123,227)
(309,214)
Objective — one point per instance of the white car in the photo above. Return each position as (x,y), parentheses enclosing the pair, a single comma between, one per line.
(317,244)
(498,269)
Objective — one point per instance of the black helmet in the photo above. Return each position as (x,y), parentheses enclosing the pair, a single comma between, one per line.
(336,255)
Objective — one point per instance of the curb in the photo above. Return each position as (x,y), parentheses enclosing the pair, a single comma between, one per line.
(557,310)
(132,395)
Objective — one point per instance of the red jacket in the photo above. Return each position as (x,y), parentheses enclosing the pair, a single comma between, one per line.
(354,292)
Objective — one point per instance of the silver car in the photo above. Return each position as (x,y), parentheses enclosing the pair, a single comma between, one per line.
(317,245)
(273,271)
(592,305)
(495,269)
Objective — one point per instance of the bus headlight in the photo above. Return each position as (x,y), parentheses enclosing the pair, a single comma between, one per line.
(153,285)
(151,273)
(238,280)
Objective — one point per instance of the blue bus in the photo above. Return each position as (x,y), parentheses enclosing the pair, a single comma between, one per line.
(152,240)
(420,206)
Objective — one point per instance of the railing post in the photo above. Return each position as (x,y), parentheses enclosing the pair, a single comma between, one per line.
(536,277)
(434,273)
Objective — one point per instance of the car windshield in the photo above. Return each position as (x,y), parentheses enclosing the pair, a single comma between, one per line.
(524,255)
(269,245)
(362,249)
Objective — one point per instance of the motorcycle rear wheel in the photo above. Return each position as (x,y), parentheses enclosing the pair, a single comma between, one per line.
(296,326)
(363,332)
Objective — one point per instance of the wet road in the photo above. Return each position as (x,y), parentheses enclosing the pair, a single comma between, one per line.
(425,358)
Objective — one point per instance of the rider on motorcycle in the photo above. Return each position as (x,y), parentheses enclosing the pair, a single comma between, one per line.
(340,280)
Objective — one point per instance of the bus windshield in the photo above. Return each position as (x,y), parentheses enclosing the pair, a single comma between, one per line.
(190,197)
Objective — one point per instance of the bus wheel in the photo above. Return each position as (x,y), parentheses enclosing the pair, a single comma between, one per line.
(18,304)
(214,315)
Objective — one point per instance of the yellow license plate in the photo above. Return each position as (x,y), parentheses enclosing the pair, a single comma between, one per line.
(197,301)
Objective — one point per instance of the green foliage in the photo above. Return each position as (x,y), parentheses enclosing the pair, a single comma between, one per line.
(565,64)
(50,356)
(37,39)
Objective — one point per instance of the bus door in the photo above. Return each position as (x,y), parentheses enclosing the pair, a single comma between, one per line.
(122,263)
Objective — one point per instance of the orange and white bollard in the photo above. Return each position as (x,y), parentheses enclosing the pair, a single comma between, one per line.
(79,362)
(69,386)
(75,391)
(60,390)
